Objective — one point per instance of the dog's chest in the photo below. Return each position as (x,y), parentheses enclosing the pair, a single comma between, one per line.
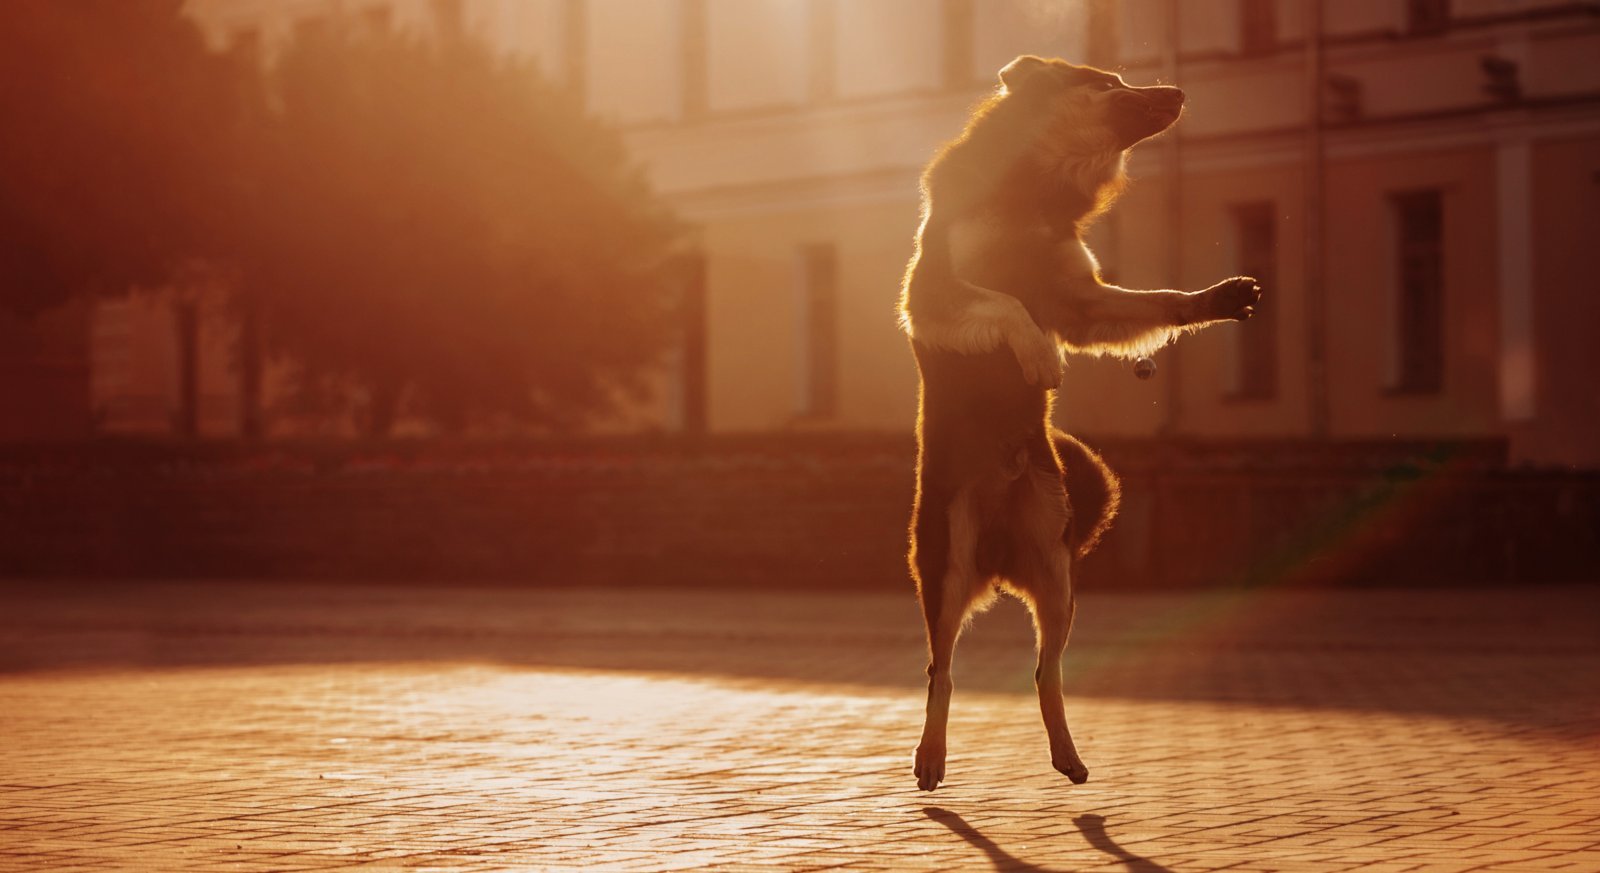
(1001,255)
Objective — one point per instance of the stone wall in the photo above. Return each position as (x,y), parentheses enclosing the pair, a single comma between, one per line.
(823,511)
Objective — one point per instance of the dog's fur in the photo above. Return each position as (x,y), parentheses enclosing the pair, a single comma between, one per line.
(1000,281)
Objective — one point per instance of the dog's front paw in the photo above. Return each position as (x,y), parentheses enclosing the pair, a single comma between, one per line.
(1232,299)
(1038,356)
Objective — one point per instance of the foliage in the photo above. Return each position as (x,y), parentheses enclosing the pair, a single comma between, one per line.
(112,119)
(410,215)
(447,230)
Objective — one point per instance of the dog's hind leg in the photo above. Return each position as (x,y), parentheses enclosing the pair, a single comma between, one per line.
(942,633)
(945,563)
(1053,610)
(1043,575)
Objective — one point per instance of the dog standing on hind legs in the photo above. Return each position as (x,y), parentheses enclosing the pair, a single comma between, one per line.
(1001,281)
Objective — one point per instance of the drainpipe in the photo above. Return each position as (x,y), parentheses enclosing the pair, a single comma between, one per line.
(1316,291)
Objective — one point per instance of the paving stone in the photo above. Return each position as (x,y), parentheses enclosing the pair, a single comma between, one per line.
(285,727)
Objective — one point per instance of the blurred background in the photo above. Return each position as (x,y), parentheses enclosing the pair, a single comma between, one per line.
(602,291)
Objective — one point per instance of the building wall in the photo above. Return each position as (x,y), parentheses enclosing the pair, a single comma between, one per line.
(753,60)
(1209,406)
(634,70)
(1566,182)
(1240,142)
(817,116)
(755,339)
(1361,289)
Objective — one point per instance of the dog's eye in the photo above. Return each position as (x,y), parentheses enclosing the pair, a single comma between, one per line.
(1105,85)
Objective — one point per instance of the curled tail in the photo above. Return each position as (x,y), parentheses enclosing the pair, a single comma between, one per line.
(1093,490)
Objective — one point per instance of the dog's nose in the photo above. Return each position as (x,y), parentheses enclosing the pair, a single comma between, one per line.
(1170,96)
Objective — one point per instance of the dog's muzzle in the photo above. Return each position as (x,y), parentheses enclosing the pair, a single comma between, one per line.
(1145,112)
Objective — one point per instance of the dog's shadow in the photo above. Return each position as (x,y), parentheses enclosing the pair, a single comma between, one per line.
(1092,826)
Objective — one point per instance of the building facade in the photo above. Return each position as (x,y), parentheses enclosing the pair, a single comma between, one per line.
(1417,183)
(44,375)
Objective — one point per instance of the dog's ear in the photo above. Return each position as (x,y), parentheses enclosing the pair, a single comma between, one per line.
(1026,69)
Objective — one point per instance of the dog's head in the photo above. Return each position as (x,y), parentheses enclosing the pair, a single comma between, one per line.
(1093,107)
(1086,118)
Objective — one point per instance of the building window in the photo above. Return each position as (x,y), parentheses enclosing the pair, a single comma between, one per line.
(818,285)
(1419,358)
(1255,363)
(448,17)
(377,19)
(696,83)
(1258,26)
(958,50)
(1342,99)
(824,25)
(575,49)
(1427,16)
(1101,50)
(311,29)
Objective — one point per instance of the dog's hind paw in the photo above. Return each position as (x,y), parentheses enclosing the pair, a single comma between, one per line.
(1073,769)
(930,767)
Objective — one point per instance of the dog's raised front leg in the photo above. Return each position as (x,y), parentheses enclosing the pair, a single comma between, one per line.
(1093,317)
(961,317)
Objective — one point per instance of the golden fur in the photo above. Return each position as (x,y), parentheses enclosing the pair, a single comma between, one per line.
(1001,281)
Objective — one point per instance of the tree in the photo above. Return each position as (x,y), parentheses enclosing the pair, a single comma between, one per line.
(448,231)
(112,116)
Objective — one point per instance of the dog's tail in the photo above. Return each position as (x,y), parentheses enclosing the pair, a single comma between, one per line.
(1093,490)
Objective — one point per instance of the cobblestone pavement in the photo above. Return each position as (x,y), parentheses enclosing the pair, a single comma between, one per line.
(255,727)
